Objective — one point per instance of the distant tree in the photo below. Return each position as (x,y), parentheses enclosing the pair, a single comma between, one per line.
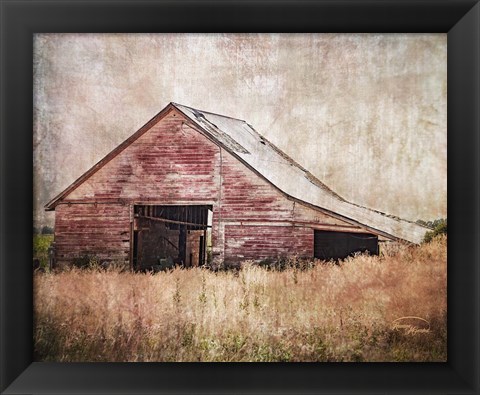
(438,226)
(47,230)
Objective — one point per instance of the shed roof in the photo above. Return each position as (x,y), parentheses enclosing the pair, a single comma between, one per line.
(244,142)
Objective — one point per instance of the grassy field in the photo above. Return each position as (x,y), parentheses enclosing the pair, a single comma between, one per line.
(349,312)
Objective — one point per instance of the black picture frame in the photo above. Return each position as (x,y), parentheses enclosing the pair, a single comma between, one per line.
(21,19)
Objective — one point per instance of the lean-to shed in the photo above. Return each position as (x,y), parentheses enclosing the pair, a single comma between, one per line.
(192,187)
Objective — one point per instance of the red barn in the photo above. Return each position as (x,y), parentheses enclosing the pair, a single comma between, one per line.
(192,187)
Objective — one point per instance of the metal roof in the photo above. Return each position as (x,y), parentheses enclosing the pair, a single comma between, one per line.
(243,141)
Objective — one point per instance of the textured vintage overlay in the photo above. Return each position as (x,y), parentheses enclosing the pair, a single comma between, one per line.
(365,113)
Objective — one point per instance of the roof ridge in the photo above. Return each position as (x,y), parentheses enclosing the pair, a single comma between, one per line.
(208,112)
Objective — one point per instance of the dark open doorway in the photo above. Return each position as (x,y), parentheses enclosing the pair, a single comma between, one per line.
(339,245)
(166,236)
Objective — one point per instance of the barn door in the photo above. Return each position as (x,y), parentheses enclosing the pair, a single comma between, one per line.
(339,245)
(165,236)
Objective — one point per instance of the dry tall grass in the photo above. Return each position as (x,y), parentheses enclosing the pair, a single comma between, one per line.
(330,312)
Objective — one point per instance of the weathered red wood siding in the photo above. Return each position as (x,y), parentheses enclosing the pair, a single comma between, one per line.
(83,230)
(172,163)
(266,242)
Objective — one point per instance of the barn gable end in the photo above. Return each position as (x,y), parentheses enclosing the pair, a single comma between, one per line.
(157,166)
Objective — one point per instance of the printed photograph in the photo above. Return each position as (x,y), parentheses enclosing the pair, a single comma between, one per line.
(240,197)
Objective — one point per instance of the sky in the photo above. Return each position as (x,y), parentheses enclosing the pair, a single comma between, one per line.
(365,113)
